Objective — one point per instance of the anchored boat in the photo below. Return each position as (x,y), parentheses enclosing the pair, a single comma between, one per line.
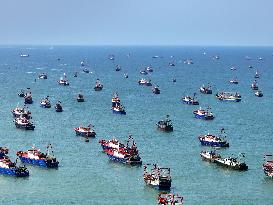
(214,141)
(85,131)
(156,177)
(45,103)
(114,143)
(21,112)
(63,81)
(126,155)
(232,162)
(22,93)
(229,96)
(165,125)
(190,100)
(210,156)
(268,165)
(254,85)
(28,97)
(10,168)
(98,86)
(35,157)
(145,82)
(259,93)
(156,89)
(42,76)
(203,114)
(206,89)
(116,105)
(23,123)
(58,107)
(169,199)
(80,97)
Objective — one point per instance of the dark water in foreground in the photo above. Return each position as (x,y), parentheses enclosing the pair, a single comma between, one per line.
(85,175)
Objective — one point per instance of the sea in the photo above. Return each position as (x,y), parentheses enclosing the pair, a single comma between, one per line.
(85,174)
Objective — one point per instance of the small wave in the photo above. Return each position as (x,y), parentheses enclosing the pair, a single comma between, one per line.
(39,68)
(55,69)
(30,72)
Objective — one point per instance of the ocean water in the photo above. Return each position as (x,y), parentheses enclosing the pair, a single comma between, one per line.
(85,175)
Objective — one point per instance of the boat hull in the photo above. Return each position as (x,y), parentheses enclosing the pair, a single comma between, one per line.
(25,127)
(190,102)
(85,134)
(14,172)
(214,144)
(123,160)
(204,117)
(241,167)
(39,162)
(121,112)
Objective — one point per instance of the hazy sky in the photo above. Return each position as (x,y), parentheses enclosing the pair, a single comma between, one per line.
(137,22)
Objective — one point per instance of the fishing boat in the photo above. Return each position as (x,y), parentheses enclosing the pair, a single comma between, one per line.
(118,67)
(235,163)
(229,96)
(174,80)
(217,57)
(190,100)
(188,61)
(268,165)
(75,74)
(42,76)
(206,89)
(157,177)
(257,75)
(23,123)
(112,144)
(171,64)
(143,72)
(45,103)
(210,156)
(10,168)
(98,86)
(22,93)
(85,131)
(21,112)
(24,55)
(203,114)
(28,97)
(233,68)
(126,155)
(149,69)
(63,81)
(234,81)
(156,89)
(145,82)
(117,107)
(254,85)
(58,107)
(169,199)
(126,75)
(259,93)
(80,97)
(35,157)
(82,63)
(214,141)
(85,70)
(165,125)
(111,57)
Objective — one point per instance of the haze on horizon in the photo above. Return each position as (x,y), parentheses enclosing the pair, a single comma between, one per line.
(141,22)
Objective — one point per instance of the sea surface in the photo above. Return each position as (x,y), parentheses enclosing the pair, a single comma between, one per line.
(85,175)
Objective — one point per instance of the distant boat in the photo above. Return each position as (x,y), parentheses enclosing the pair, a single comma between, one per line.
(126,75)
(257,75)
(118,67)
(24,55)
(63,81)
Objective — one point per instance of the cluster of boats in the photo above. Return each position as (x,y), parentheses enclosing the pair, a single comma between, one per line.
(32,156)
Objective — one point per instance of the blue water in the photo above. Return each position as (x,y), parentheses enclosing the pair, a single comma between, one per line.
(85,175)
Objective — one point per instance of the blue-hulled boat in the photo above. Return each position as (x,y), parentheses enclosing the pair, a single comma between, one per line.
(203,114)
(214,141)
(45,103)
(9,168)
(229,96)
(190,100)
(126,155)
(35,157)
(156,177)
(117,108)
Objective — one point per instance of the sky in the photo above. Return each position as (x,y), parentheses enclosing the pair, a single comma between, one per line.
(136,22)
